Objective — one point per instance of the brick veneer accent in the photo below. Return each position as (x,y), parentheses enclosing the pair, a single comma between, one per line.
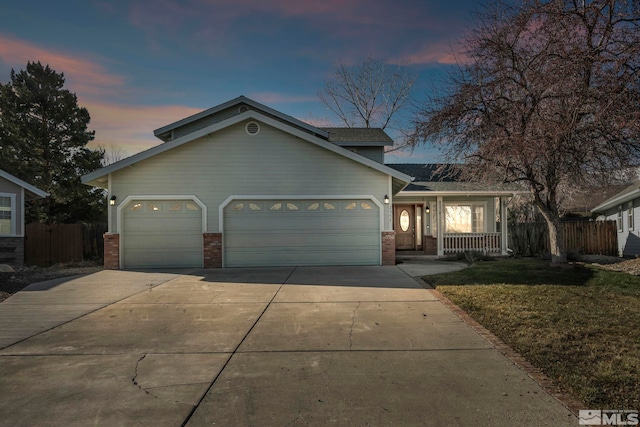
(388,248)
(12,251)
(430,245)
(212,246)
(111,251)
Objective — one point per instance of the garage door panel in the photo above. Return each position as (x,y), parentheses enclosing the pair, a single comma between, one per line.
(296,258)
(162,233)
(311,232)
(268,240)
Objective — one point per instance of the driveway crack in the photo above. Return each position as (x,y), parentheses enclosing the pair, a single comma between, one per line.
(353,321)
(134,380)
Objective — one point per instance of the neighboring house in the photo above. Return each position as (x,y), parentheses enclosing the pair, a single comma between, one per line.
(242,184)
(13,193)
(624,208)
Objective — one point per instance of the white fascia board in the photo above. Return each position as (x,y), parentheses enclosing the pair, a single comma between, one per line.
(456,193)
(30,188)
(614,202)
(93,177)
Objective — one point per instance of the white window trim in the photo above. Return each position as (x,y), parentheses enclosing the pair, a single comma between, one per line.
(619,219)
(465,203)
(14,211)
(630,214)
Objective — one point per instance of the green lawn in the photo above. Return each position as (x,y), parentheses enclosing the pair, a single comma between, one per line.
(580,326)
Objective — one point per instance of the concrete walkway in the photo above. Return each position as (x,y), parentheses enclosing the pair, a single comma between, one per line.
(278,346)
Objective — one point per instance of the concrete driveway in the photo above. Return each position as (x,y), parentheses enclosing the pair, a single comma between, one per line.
(261,347)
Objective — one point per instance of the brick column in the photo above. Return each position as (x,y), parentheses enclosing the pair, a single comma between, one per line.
(111,251)
(212,249)
(430,245)
(388,248)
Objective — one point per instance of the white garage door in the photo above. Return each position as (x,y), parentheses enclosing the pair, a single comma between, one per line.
(301,232)
(162,233)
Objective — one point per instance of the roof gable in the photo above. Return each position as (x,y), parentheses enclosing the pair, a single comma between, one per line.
(99,177)
(35,192)
(242,104)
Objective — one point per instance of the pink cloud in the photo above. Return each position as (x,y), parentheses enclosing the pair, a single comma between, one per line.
(83,76)
(438,52)
(130,127)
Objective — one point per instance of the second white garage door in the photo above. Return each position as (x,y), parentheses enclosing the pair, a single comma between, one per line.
(301,232)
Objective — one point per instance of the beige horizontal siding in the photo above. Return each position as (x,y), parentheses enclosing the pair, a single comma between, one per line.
(231,162)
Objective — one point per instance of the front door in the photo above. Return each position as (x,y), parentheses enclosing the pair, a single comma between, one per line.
(405,227)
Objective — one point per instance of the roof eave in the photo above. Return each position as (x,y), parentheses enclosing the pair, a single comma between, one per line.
(615,201)
(460,193)
(35,191)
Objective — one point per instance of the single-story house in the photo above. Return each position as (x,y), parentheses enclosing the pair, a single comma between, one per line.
(624,208)
(13,193)
(242,184)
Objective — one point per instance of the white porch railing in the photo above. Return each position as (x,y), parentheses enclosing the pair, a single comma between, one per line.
(481,242)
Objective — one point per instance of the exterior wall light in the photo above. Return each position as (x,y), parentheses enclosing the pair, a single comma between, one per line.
(427,210)
(112,201)
(386,199)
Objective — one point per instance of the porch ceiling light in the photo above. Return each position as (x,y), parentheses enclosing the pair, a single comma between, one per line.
(386,199)
(112,201)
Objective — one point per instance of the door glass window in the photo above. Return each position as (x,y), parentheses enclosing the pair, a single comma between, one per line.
(405,220)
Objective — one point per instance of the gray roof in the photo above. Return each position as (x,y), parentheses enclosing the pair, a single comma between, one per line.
(33,192)
(626,195)
(445,178)
(358,136)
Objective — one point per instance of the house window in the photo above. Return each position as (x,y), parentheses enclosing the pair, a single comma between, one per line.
(464,218)
(630,215)
(619,219)
(7,216)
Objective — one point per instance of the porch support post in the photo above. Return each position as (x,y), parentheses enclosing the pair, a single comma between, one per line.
(504,226)
(440,225)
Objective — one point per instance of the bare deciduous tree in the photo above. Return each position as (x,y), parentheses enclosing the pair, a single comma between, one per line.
(548,95)
(369,94)
(112,153)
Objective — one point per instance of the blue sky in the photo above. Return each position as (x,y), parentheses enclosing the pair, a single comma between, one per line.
(138,65)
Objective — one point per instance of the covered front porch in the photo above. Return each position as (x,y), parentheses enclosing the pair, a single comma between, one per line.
(449,224)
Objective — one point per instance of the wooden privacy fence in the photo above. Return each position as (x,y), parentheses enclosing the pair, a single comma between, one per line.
(580,237)
(48,244)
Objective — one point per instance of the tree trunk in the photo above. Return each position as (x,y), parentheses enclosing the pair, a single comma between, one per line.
(556,237)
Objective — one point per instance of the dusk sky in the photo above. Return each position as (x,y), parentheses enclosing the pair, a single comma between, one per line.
(138,65)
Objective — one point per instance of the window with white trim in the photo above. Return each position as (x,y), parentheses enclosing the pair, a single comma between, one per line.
(630,215)
(464,218)
(619,219)
(7,214)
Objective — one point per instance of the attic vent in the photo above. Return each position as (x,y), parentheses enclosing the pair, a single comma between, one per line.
(243,108)
(252,128)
